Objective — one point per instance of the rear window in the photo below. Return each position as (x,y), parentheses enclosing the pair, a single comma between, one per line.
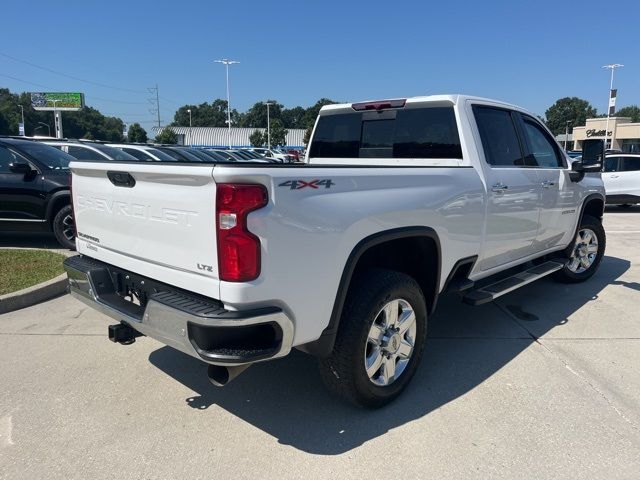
(408,133)
(114,153)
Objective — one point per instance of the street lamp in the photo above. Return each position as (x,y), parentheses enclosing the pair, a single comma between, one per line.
(566,133)
(612,67)
(190,136)
(268,104)
(46,125)
(228,62)
(23,126)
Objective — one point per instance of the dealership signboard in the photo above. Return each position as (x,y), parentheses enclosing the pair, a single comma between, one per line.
(61,101)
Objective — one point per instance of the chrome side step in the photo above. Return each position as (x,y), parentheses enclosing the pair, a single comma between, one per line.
(489,293)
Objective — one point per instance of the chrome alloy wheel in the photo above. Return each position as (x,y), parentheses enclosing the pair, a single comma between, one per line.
(68,228)
(584,252)
(390,342)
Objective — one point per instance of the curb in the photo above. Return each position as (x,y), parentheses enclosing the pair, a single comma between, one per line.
(32,295)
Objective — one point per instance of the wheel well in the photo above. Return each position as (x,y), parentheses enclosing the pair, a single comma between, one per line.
(56,205)
(417,257)
(594,207)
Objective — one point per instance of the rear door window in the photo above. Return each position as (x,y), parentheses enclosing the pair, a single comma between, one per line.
(499,137)
(429,132)
(139,154)
(82,153)
(630,164)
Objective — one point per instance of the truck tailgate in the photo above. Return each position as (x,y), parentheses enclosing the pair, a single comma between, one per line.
(155,220)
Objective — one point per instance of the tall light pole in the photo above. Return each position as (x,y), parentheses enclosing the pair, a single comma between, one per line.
(268,104)
(612,67)
(566,133)
(23,126)
(228,62)
(190,136)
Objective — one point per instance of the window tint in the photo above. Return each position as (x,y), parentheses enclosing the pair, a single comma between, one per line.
(631,164)
(6,157)
(82,153)
(52,158)
(611,164)
(499,138)
(140,155)
(542,147)
(408,133)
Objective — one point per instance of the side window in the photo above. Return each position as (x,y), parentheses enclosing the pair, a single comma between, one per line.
(499,138)
(83,153)
(542,148)
(630,164)
(611,164)
(137,153)
(6,157)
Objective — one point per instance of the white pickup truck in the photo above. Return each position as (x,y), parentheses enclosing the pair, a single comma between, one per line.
(343,256)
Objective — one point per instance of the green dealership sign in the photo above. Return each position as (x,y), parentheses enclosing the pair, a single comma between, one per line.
(57,101)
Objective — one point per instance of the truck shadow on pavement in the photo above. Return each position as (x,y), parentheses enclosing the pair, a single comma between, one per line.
(29,240)
(286,399)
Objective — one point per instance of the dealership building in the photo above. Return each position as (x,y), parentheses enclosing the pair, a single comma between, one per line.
(624,133)
(218,137)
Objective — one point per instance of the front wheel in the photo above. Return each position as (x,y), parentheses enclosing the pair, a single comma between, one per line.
(64,228)
(586,253)
(380,339)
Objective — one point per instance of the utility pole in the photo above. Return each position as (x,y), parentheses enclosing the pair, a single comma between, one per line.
(268,104)
(57,118)
(228,62)
(612,103)
(190,135)
(156,101)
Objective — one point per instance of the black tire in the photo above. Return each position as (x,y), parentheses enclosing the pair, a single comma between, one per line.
(64,227)
(344,372)
(569,275)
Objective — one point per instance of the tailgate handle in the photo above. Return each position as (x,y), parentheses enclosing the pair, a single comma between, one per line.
(121,179)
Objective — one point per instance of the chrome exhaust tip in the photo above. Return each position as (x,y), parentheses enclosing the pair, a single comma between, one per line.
(220,375)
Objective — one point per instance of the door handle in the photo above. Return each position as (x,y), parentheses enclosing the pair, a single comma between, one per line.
(548,184)
(615,176)
(499,188)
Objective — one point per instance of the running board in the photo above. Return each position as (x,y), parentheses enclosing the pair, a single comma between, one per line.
(489,293)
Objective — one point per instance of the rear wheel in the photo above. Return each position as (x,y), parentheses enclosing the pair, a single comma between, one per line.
(64,228)
(380,339)
(586,253)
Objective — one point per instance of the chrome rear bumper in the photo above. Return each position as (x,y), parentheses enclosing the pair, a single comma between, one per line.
(193,324)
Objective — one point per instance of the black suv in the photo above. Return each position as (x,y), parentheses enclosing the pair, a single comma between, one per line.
(34,189)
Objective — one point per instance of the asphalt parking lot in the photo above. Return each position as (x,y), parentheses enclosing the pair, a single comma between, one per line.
(545,383)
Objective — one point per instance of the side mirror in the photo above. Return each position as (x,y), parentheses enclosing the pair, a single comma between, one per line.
(592,157)
(19,167)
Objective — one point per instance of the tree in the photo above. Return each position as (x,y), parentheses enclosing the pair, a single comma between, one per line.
(293,117)
(256,116)
(257,139)
(278,133)
(137,134)
(573,109)
(168,136)
(632,111)
(212,114)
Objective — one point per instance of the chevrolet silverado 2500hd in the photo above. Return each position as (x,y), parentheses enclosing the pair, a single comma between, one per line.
(345,255)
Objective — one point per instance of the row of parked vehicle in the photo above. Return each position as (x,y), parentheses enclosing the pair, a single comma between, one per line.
(92,151)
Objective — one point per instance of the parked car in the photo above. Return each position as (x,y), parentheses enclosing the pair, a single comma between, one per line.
(274,154)
(145,153)
(621,177)
(180,154)
(343,257)
(90,151)
(34,189)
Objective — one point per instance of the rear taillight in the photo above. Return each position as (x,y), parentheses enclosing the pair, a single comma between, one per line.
(238,248)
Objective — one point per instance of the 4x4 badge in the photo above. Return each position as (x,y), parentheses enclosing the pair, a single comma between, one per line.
(299,184)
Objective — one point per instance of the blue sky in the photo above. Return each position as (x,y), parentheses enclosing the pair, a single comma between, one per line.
(526,52)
